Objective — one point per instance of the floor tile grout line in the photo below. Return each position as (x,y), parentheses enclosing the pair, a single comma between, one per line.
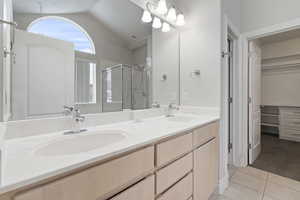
(266,183)
(247,187)
(249,174)
(286,186)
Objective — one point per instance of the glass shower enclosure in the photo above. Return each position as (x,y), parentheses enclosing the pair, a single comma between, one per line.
(125,87)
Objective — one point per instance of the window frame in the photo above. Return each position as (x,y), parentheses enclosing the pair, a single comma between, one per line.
(68,21)
(79,55)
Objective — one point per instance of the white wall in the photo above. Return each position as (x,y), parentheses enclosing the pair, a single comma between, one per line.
(200,49)
(140,55)
(165,60)
(261,13)
(281,85)
(281,89)
(232,9)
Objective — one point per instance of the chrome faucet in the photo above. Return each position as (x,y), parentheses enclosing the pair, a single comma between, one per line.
(156,105)
(170,109)
(77,119)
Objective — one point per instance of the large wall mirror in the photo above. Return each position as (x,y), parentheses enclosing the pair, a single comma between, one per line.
(97,54)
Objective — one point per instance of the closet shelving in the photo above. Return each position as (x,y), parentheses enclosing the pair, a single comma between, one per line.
(283,63)
(270,120)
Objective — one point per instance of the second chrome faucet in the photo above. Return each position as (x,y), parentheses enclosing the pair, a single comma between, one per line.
(77,119)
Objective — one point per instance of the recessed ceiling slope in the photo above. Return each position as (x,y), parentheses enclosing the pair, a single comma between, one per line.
(123,17)
(52,6)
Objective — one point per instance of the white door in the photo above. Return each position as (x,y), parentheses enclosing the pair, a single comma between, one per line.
(254,101)
(42,76)
(230,99)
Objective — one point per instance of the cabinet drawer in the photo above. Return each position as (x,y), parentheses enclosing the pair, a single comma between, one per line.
(169,150)
(182,190)
(204,134)
(97,181)
(169,175)
(141,191)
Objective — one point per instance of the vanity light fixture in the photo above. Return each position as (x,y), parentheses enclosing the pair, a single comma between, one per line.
(162,7)
(166,27)
(156,23)
(172,16)
(147,18)
(161,16)
(180,20)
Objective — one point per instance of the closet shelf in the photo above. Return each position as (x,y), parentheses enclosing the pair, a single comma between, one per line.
(285,63)
(267,124)
(270,115)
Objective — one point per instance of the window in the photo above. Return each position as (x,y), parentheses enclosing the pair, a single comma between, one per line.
(63,29)
(86,81)
(85,58)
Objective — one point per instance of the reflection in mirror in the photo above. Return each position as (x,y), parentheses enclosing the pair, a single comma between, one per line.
(86,85)
(98,55)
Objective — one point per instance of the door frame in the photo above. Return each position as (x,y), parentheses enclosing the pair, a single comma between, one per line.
(232,64)
(228,26)
(253,114)
(245,38)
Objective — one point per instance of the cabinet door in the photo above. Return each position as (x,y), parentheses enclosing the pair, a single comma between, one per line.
(205,170)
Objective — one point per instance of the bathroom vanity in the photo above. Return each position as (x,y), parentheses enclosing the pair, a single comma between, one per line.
(181,165)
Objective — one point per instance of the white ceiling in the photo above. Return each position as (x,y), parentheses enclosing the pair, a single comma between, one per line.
(121,16)
(124,18)
(280,37)
(52,6)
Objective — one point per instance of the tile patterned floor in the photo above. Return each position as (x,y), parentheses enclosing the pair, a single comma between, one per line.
(280,157)
(254,184)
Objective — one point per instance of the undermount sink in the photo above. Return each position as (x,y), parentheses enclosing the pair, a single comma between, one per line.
(81,143)
(179,118)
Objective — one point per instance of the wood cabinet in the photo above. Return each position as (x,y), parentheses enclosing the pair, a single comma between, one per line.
(289,126)
(181,168)
(96,182)
(205,170)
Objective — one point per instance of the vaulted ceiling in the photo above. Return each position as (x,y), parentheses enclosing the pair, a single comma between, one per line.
(52,6)
(120,16)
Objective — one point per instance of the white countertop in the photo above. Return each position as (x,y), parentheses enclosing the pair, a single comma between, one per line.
(21,166)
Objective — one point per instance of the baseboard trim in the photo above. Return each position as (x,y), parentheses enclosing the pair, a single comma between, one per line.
(223,184)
